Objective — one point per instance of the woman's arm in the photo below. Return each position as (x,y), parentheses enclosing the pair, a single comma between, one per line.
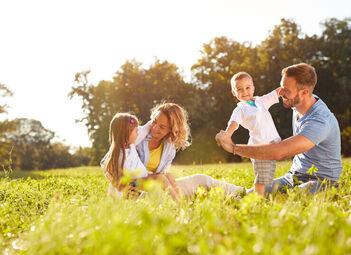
(168,161)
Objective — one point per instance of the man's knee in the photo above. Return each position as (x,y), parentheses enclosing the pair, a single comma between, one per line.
(317,186)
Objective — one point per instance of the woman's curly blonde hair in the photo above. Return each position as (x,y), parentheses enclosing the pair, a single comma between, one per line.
(178,119)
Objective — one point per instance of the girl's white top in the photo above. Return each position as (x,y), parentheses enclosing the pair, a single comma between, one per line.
(258,120)
(141,143)
(132,164)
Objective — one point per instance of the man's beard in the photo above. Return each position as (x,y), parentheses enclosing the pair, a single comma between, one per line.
(289,103)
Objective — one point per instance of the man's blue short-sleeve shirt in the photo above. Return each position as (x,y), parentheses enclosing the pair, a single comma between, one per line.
(321,127)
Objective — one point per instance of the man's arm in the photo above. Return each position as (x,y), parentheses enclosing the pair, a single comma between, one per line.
(273,151)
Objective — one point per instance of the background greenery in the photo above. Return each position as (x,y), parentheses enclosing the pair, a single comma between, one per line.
(207,96)
(25,144)
(68,212)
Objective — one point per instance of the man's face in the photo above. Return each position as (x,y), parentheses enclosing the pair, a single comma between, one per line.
(289,92)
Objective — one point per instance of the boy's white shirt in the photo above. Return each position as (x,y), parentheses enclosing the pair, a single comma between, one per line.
(257,120)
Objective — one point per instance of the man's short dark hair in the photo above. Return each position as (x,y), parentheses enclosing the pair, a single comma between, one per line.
(304,74)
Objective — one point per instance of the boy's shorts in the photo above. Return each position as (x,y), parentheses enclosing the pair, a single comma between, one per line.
(264,171)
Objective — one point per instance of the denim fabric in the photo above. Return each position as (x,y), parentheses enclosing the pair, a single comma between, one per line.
(302,181)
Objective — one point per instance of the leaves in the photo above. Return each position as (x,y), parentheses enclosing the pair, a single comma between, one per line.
(313,170)
(208,96)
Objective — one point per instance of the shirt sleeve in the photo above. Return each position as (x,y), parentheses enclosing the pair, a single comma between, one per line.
(133,164)
(143,131)
(269,99)
(237,116)
(102,162)
(316,130)
(169,161)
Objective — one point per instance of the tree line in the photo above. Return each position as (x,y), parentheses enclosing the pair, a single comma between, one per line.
(208,98)
(207,95)
(25,144)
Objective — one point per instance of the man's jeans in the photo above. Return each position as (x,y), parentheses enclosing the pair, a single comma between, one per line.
(302,181)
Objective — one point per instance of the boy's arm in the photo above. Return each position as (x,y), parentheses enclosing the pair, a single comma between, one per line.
(278,91)
(271,98)
(231,128)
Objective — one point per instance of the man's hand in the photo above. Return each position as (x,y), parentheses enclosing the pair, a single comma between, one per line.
(225,141)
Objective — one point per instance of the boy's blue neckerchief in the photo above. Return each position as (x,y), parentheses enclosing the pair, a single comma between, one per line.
(252,103)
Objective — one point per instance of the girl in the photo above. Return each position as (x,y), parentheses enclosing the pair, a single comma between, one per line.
(122,158)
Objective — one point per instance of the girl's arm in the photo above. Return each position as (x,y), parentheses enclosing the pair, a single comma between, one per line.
(143,131)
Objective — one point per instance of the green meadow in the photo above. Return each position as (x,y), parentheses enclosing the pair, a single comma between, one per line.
(67,212)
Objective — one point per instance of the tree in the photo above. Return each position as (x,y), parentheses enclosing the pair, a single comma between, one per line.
(31,141)
(333,67)
(285,45)
(5,126)
(221,59)
(34,148)
(208,97)
(82,156)
(133,89)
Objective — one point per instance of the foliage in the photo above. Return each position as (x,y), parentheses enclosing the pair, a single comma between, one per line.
(31,141)
(5,126)
(4,91)
(133,89)
(32,147)
(208,96)
(68,212)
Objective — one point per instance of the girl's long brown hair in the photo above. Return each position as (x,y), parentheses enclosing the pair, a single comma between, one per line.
(122,124)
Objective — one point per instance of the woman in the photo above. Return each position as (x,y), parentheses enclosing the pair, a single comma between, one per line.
(158,141)
(123,160)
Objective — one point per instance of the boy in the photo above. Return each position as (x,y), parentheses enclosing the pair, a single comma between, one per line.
(252,113)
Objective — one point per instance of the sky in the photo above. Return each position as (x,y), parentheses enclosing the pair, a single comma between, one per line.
(44,43)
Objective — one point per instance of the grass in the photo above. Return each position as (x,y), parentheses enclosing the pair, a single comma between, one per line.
(68,212)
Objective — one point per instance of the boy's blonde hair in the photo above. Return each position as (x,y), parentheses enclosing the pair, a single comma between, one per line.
(239,76)
(121,126)
(178,119)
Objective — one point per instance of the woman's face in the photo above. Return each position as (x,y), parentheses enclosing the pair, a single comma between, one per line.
(160,126)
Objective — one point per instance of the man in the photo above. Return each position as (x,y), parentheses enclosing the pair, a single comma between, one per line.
(315,143)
